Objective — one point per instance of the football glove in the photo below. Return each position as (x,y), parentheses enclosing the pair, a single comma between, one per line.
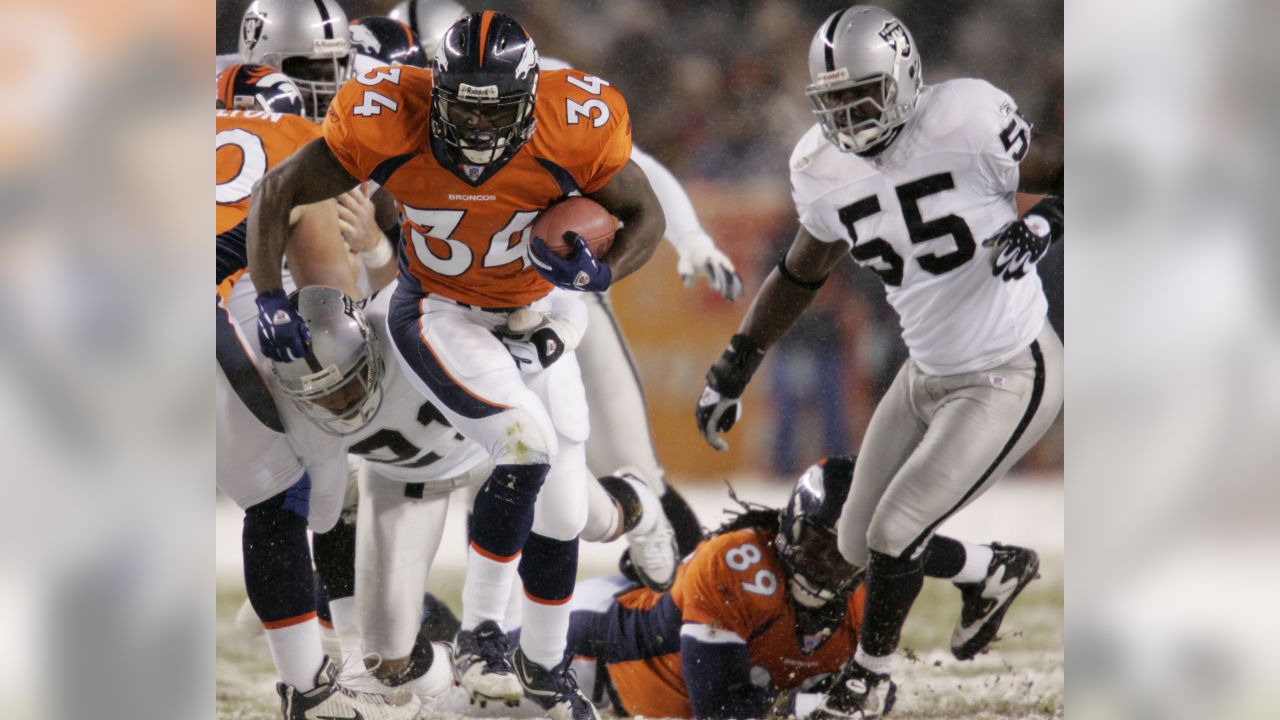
(1023,242)
(580,271)
(699,257)
(536,340)
(719,407)
(282,332)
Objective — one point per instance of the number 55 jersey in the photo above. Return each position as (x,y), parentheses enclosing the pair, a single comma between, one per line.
(916,215)
(731,590)
(466,227)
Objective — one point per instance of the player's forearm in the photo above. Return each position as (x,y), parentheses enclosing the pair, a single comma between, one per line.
(268,233)
(718,679)
(635,242)
(775,309)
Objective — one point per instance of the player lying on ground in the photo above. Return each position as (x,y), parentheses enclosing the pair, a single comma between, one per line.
(759,618)
(919,184)
(472,151)
(346,398)
(260,121)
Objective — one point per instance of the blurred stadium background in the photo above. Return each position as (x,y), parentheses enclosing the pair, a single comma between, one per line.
(716,92)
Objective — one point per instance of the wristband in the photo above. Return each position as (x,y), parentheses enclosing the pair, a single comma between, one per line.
(380,254)
(1051,209)
(731,373)
(804,284)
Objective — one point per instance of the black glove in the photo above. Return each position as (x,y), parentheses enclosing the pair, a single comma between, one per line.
(1022,243)
(719,407)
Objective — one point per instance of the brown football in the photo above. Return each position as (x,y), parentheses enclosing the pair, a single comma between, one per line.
(582,215)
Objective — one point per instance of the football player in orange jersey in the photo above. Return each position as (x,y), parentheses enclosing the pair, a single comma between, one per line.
(760,616)
(257,126)
(472,151)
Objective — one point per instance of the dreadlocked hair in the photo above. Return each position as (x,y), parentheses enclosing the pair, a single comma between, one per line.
(748,515)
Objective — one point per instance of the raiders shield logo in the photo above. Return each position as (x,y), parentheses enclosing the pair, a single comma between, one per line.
(251,31)
(896,36)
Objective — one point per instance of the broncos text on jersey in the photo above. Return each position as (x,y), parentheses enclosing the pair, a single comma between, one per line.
(917,215)
(466,228)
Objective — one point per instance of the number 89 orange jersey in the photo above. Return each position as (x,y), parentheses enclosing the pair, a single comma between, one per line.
(466,229)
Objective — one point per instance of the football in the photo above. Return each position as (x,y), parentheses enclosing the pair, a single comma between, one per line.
(582,215)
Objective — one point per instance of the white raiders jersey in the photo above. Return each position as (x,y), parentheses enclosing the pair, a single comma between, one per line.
(408,439)
(917,215)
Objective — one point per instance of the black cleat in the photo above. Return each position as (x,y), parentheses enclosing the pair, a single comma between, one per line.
(856,693)
(555,691)
(986,602)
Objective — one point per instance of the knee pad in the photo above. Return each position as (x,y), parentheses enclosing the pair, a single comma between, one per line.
(523,438)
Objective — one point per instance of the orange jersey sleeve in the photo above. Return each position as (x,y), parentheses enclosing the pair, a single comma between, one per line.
(379,116)
(732,582)
(246,145)
(583,126)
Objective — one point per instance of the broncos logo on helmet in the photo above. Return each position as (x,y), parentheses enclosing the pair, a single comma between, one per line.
(380,41)
(486,78)
(243,86)
(806,539)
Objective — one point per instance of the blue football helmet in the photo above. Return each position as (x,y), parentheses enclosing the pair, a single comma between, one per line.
(244,86)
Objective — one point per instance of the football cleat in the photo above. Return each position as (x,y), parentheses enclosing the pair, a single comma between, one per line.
(556,690)
(333,700)
(651,541)
(482,665)
(856,693)
(429,674)
(439,624)
(986,602)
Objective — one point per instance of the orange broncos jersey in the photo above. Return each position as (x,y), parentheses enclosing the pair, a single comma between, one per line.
(732,582)
(248,143)
(466,237)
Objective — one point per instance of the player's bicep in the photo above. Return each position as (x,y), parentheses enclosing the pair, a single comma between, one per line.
(628,193)
(811,259)
(309,175)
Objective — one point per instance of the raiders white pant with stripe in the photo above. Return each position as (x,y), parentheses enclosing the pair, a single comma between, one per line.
(619,421)
(936,443)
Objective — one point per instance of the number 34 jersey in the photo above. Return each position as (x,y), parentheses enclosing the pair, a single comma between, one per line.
(917,215)
(467,228)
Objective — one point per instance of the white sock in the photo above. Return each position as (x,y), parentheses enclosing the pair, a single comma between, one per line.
(875,663)
(977,558)
(295,648)
(329,642)
(486,589)
(544,635)
(346,627)
(604,520)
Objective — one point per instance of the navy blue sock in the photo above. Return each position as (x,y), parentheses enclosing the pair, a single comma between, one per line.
(335,554)
(548,567)
(503,511)
(277,561)
(892,586)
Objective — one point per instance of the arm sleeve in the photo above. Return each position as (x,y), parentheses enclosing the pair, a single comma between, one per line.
(717,673)
(682,220)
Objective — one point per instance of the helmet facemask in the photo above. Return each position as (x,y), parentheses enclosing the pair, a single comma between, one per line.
(319,79)
(477,125)
(817,574)
(856,115)
(338,384)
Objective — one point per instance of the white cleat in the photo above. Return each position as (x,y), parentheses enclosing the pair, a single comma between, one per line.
(332,699)
(654,553)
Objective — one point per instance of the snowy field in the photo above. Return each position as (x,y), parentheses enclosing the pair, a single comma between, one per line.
(1020,677)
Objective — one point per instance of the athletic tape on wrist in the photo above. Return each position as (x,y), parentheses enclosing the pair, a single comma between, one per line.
(380,254)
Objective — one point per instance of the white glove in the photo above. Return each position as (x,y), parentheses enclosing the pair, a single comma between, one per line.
(536,340)
(699,257)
